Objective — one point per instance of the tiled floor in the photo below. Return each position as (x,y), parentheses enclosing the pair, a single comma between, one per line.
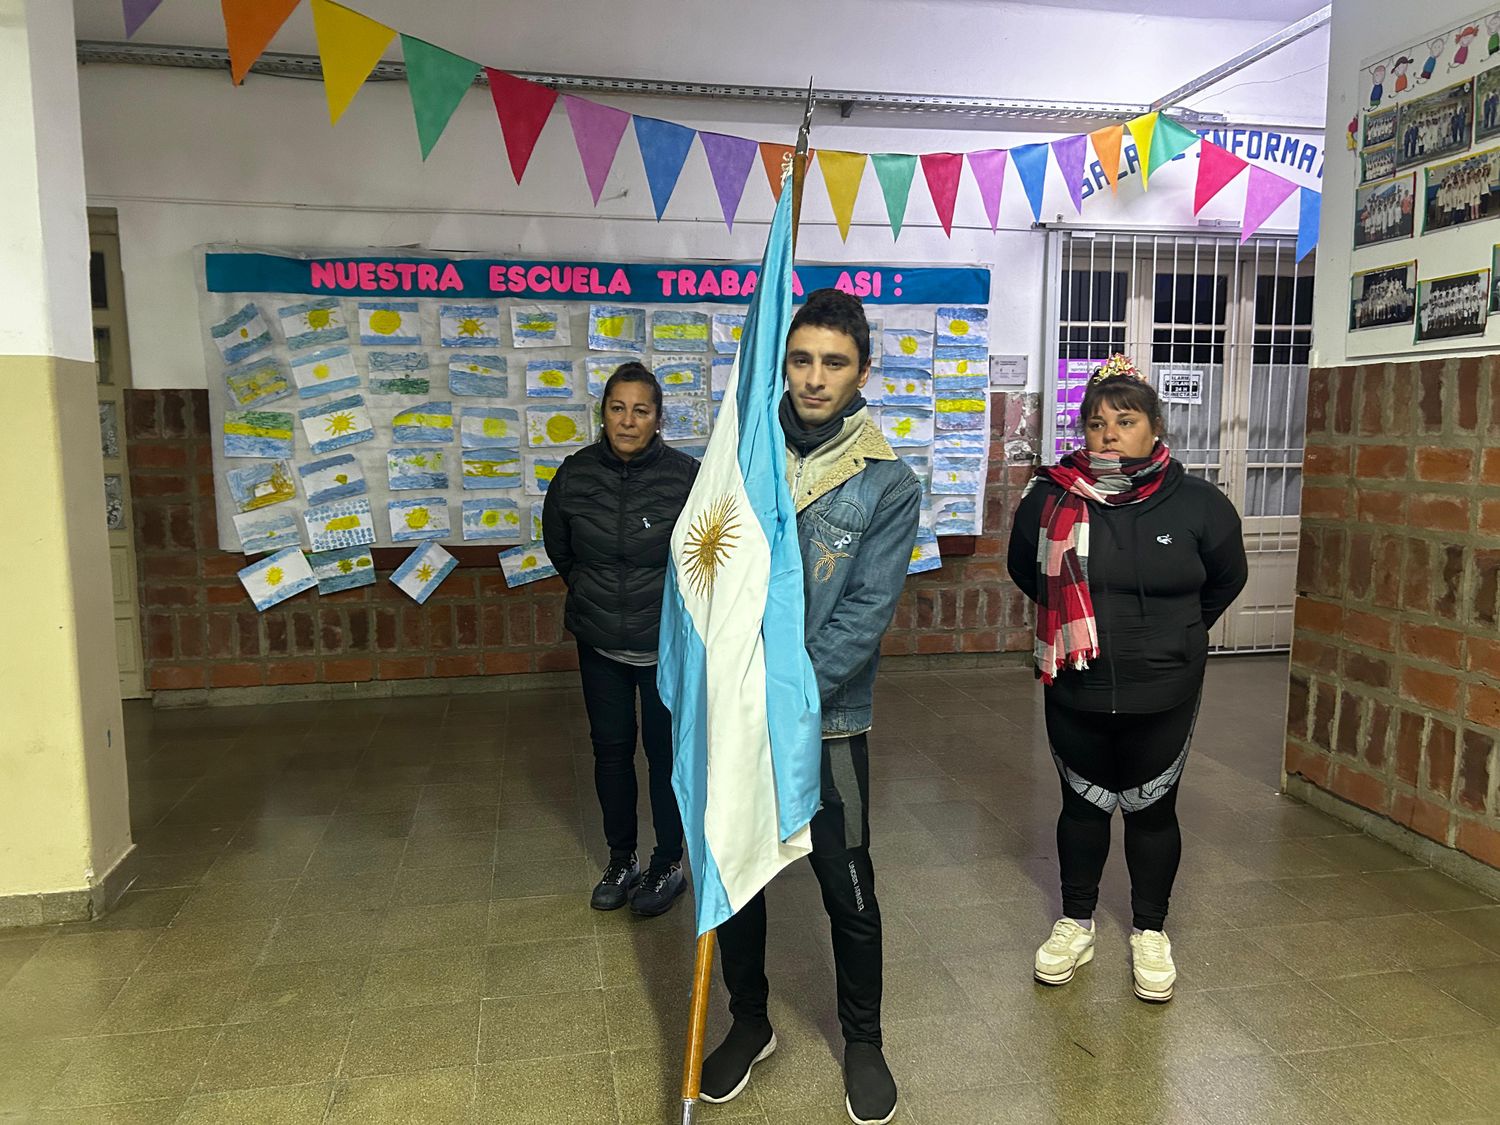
(377,911)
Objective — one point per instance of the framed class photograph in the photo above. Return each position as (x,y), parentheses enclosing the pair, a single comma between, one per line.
(1487,105)
(1462,191)
(1438,125)
(1382,297)
(1456,305)
(1495,279)
(1377,164)
(1380,128)
(1385,211)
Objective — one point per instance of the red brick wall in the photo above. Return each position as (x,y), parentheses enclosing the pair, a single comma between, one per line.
(1395,689)
(200,631)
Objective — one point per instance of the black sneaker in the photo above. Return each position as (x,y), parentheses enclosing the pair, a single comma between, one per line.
(869,1088)
(614,886)
(726,1072)
(658,889)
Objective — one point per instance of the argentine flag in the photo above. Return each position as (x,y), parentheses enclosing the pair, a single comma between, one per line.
(734,669)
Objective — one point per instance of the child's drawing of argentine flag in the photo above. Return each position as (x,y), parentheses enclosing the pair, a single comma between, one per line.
(734,670)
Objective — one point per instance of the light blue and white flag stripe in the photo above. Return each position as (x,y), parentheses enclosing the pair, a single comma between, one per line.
(734,669)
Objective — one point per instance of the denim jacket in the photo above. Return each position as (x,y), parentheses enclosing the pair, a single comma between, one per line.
(856,523)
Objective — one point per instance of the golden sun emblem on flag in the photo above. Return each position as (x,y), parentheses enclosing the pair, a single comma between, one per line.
(425,573)
(340,423)
(470,326)
(709,541)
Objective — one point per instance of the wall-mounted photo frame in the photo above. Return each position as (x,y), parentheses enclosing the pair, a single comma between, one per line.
(1437,125)
(1462,191)
(1453,306)
(1383,297)
(1385,211)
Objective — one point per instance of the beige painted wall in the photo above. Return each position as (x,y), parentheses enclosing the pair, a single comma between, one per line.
(64,810)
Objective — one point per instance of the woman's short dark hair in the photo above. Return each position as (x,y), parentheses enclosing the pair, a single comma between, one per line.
(840,311)
(633,372)
(1124,392)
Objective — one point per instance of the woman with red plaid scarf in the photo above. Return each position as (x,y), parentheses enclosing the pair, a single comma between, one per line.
(1130,562)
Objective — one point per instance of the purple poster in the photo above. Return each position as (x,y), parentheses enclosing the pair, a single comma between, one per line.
(1072,378)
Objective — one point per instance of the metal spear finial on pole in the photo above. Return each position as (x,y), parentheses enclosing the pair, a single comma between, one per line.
(799,164)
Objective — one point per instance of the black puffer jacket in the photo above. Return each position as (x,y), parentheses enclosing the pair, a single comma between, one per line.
(608,525)
(1161,573)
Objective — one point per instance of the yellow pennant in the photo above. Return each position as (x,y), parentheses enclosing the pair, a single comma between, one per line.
(1141,129)
(842,172)
(350,44)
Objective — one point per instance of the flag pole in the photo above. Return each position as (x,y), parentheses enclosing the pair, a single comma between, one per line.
(703,963)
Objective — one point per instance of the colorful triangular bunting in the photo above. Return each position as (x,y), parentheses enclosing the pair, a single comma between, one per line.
(597,130)
(523,108)
(438,80)
(988,166)
(137,12)
(729,161)
(664,150)
(249,27)
(1266,192)
(1107,143)
(350,44)
(941,170)
(775,156)
(842,172)
(1070,153)
(1168,141)
(895,170)
(1031,166)
(1216,168)
(1141,128)
(1310,212)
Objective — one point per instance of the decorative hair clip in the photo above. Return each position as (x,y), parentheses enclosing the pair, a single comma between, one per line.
(1117,366)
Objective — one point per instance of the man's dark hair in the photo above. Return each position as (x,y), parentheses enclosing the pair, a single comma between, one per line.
(633,372)
(1123,392)
(840,311)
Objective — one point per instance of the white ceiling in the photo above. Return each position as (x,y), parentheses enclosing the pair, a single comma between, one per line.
(1255,11)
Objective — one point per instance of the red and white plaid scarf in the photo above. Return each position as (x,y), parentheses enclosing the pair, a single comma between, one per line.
(1065,628)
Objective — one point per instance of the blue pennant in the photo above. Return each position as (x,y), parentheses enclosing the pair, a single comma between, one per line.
(664,149)
(1031,165)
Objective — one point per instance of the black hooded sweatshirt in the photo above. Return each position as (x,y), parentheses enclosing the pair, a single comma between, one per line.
(1160,573)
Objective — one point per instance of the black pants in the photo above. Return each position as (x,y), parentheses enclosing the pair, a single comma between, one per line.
(841,860)
(609,694)
(1129,762)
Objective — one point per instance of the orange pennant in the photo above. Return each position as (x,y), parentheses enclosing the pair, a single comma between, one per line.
(1107,143)
(249,27)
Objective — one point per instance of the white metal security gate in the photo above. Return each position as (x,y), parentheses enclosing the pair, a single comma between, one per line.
(1225,331)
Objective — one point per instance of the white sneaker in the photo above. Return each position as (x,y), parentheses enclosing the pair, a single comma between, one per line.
(1069,946)
(1151,966)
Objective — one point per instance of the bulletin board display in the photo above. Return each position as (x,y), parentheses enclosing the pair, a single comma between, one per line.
(379,398)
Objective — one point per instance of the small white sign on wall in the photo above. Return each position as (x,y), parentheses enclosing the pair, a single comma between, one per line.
(1007,371)
(1182,386)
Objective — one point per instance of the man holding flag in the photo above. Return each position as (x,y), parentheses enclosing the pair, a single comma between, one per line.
(788,560)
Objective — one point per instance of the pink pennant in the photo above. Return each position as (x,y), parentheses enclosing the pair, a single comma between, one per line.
(942,170)
(729,162)
(1070,153)
(1216,168)
(988,166)
(597,130)
(1267,191)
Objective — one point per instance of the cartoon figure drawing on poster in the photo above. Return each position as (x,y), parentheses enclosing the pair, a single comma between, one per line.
(1492,25)
(1461,43)
(1398,71)
(1377,85)
(1434,50)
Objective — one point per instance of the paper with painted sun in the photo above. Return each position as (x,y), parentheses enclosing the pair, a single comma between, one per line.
(343,523)
(549,378)
(469,326)
(491,468)
(267,529)
(423,571)
(613,327)
(344,568)
(679,330)
(477,375)
(557,425)
(420,468)
(425,422)
(325,372)
(522,565)
(273,580)
(490,427)
(906,347)
(963,325)
(492,517)
(424,517)
(333,478)
(905,426)
(386,323)
(334,425)
(261,485)
(727,330)
(313,324)
(242,334)
(679,374)
(540,472)
(598,369)
(257,382)
(540,326)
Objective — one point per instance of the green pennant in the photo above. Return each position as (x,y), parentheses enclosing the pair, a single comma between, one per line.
(438,80)
(1170,139)
(895,171)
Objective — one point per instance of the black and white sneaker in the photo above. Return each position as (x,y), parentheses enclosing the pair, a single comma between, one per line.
(658,889)
(726,1072)
(614,885)
(869,1088)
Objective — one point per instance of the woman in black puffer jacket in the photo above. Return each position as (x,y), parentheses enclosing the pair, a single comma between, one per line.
(607,522)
